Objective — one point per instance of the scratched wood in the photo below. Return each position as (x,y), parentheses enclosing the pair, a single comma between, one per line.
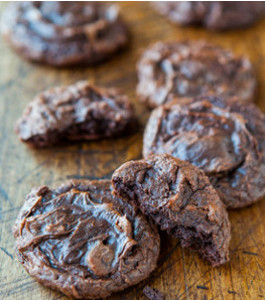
(180,273)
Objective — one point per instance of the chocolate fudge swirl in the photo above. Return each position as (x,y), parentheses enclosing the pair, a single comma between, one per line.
(83,241)
(215,15)
(64,33)
(76,112)
(223,138)
(180,198)
(192,68)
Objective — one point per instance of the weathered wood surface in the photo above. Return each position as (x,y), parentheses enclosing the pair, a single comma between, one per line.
(180,274)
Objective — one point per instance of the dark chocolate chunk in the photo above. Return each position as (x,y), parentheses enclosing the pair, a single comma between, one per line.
(224,138)
(193,68)
(76,112)
(64,33)
(153,294)
(83,241)
(215,15)
(180,198)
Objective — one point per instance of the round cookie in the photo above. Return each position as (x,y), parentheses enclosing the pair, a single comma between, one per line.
(76,112)
(222,137)
(83,241)
(181,199)
(193,68)
(64,33)
(215,15)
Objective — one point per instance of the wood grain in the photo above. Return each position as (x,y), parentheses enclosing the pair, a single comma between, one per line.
(180,273)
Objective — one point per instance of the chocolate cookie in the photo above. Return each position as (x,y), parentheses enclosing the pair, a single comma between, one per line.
(223,138)
(180,198)
(193,68)
(64,33)
(83,241)
(76,112)
(215,15)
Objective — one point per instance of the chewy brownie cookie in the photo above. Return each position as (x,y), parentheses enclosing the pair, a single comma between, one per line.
(180,198)
(215,15)
(64,33)
(223,138)
(76,112)
(83,241)
(192,68)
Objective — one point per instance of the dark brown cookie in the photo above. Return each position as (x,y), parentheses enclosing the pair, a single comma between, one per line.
(83,241)
(180,198)
(223,138)
(76,112)
(64,33)
(193,68)
(215,15)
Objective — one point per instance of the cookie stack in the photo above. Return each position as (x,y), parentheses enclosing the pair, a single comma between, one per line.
(203,145)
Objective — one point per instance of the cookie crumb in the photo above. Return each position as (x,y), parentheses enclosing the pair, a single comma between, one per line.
(153,294)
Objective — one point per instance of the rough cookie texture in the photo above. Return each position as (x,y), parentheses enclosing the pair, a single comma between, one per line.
(64,33)
(180,198)
(83,241)
(76,112)
(215,15)
(254,118)
(222,137)
(193,68)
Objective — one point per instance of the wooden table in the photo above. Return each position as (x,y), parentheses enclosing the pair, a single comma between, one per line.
(180,273)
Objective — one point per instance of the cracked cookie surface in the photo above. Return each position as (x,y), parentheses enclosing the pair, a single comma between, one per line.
(192,68)
(180,198)
(76,112)
(83,241)
(222,137)
(64,33)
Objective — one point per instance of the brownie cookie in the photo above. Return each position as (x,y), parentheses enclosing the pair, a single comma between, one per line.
(192,68)
(76,112)
(215,15)
(180,198)
(222,137)
(83,241)
(64,33)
